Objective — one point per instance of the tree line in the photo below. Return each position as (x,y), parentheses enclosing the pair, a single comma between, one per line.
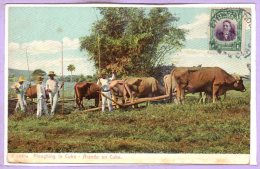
(67,78)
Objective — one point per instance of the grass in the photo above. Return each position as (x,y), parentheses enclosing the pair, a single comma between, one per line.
(223,127)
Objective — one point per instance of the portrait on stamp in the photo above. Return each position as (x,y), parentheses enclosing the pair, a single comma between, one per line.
(225,30)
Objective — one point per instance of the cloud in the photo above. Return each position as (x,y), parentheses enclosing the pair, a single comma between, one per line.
(195,52)
(83,66)
(199,28)
(13,46)
(71,44)
(195,57)
(46,56)
(44,47)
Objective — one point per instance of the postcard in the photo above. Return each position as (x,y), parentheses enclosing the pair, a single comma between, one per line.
(130,84)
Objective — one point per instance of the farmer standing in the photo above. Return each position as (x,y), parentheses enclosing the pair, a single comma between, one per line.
(41,98)
(103,82)
(53,87)
(20,88)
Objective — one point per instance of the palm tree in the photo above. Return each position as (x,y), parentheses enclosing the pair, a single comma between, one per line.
(71,68)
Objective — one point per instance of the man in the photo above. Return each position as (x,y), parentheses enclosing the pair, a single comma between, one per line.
(20,89)
(103,82)
(53,87)
(227,33)
(41,98)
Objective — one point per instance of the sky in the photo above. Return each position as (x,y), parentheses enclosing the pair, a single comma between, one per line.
(40,31)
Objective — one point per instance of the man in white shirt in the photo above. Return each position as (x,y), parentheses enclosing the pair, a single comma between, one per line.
(103,82)
(53,87)
(41,98)
(20,89)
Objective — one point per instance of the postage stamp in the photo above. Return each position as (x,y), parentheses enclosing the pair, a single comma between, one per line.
(119,84)
(226,29)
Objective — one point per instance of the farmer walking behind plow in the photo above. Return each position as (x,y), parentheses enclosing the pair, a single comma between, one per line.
(103,82)
(41,98)
(20,89)
(53,88)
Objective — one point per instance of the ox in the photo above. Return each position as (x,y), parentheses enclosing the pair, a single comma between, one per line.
(144,87)
(87,90)
(170,82)
(214,81)
(120,89)
(31,92)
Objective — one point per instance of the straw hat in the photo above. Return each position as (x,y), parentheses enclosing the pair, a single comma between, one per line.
(21,79)
(51,73)
(39,79)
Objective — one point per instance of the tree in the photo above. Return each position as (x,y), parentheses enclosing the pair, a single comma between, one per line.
(38,72)
(71,68)
(132,41)
(81,78)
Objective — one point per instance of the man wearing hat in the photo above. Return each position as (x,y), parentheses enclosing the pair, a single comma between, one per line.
(20,88)
(41,97)
(103,82)
(53,87)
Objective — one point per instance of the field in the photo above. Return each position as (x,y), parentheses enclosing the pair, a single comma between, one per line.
(223,127)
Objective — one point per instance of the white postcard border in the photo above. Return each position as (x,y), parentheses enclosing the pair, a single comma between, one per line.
(253,136)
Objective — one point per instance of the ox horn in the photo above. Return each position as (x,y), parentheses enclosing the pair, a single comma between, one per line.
(236,76)
(244,77)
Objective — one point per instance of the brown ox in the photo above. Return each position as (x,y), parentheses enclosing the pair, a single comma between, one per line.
(144,87)
(170,82)
(87,90)
(214,81)
(120,89)
(31,92)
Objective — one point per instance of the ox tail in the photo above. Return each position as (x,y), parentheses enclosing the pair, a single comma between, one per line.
(165,86)
(171,85)
(128,90)
(76,95)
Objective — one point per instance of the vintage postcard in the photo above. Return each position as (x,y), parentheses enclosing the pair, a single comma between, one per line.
(130,84)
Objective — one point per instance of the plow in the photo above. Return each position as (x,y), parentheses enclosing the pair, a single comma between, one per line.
(115,103)
(129,104)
